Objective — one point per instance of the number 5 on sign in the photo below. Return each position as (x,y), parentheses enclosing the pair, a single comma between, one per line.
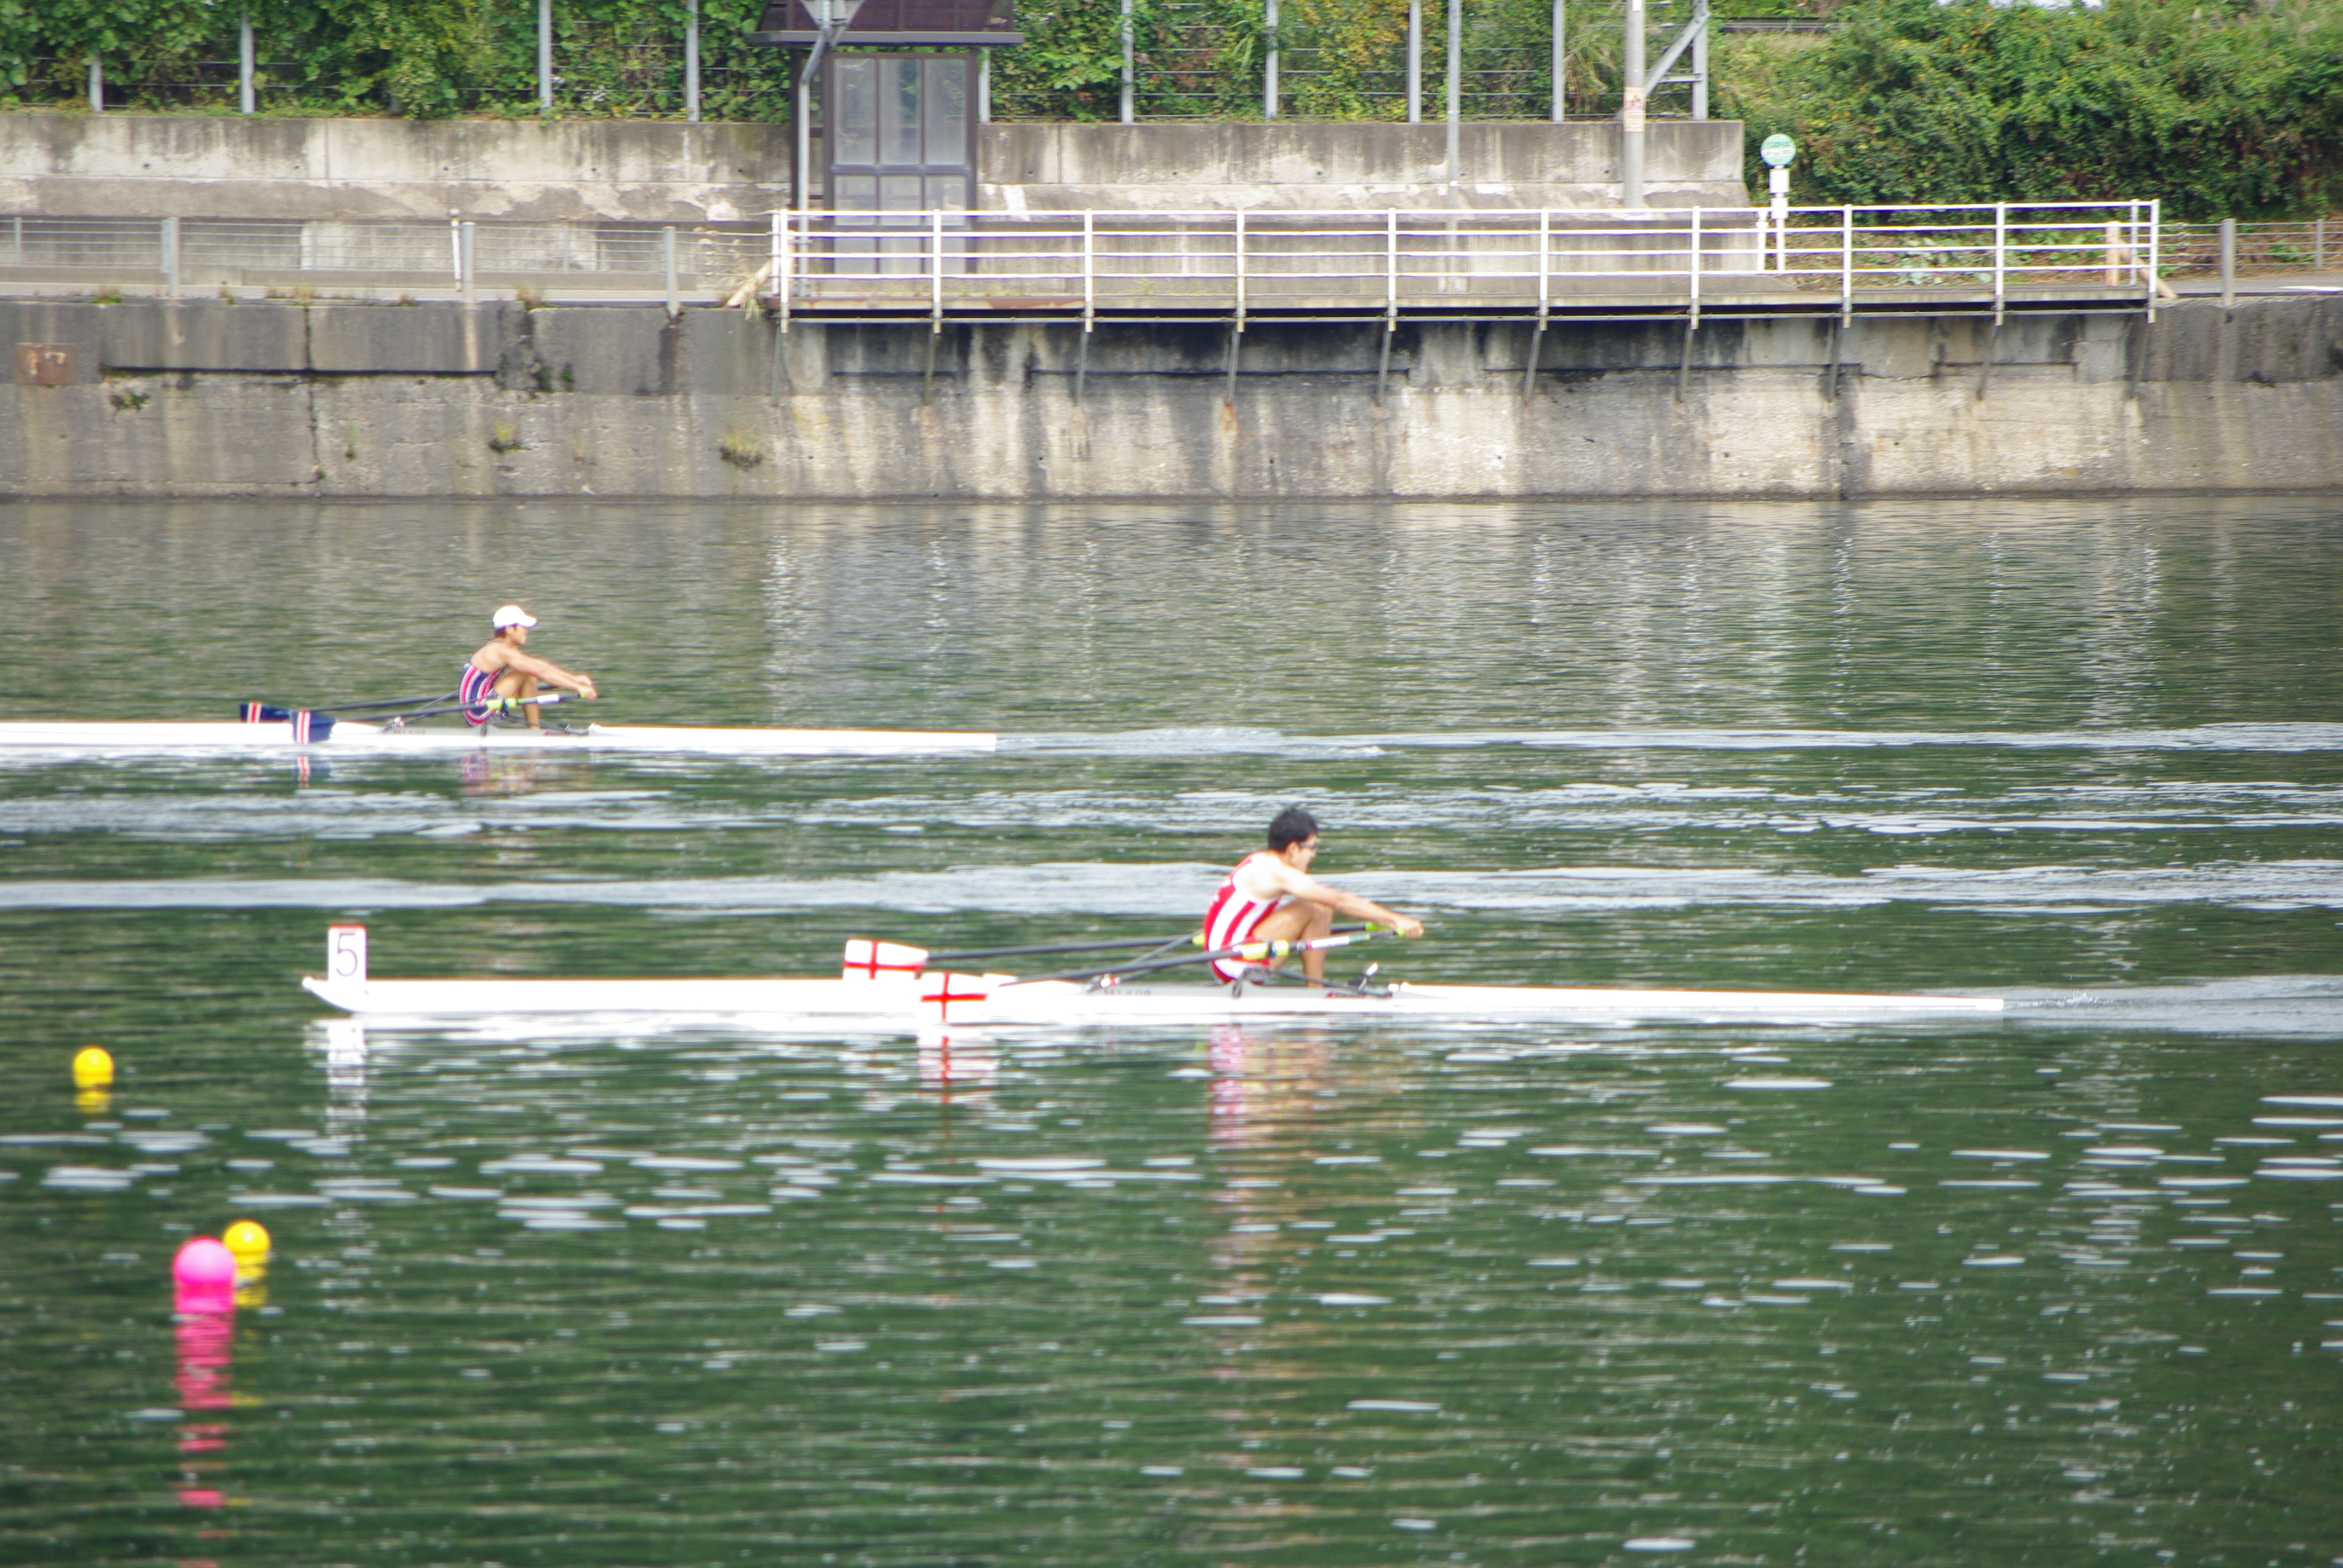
(346,954)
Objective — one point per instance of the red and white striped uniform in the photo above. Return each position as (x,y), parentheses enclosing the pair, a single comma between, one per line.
(1233,918)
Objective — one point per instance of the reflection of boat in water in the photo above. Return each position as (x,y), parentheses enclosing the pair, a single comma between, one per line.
(884,988)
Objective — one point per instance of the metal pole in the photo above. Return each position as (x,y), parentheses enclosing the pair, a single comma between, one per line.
(2000,258)
(1845,267)
(244,89)
(1414,62)
(2229,263)
(984,86)
(466,233)
(783,265)
(691,61)
(544,56)
(1561,63)
(802,174)
(1692,285)
(1700,69)
(171,257)
(96,85)
(1129,68)
(2318,245)
(666,265)
(1455,87)
(1269,76)
(1631,109)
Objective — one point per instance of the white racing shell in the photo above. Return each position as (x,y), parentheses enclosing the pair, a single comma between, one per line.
(880,988)
(351,736)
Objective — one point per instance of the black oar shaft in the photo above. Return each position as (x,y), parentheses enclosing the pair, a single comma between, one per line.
(372,705)
(1292,946)
(1059,948)
(1170,941)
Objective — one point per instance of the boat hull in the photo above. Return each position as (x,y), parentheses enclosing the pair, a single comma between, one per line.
(894,1005)
(435,999)
(351,736)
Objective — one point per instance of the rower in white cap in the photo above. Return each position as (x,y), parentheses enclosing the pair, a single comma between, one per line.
(500,674)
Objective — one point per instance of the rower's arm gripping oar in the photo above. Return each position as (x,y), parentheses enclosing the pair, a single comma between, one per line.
(1250,952)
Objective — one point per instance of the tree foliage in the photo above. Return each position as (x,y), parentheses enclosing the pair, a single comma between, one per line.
(2220,110)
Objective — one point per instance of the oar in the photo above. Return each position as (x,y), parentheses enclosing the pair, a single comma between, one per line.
(272,713)
(974,953)
(1190,937)
(494,703)
(1251,952)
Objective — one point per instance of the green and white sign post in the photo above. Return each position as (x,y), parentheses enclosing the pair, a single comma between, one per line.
(1777,150)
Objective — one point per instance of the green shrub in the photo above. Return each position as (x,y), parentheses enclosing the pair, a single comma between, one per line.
(2222,111)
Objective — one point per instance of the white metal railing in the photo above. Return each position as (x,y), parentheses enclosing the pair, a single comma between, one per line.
(1246,264)
(267,252)
(1241,265)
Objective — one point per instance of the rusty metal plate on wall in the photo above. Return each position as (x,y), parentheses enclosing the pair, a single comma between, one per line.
(44,365)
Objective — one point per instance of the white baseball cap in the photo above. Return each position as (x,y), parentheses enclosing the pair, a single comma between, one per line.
(511,615)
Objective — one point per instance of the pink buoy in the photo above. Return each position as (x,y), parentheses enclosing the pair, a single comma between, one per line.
(205,1276)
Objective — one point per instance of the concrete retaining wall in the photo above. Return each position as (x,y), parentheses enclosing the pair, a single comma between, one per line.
(197,165)
(1219,167)
(205,399)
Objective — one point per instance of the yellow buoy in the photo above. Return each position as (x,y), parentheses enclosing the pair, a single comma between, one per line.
(91,1067)
(247,1241)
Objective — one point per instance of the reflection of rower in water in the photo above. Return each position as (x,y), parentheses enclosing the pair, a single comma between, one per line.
(501,673)
(1272,896)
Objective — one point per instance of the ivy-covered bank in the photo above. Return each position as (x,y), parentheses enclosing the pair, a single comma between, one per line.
(2222,107)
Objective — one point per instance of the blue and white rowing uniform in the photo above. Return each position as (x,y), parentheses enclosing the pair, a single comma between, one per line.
(478,692)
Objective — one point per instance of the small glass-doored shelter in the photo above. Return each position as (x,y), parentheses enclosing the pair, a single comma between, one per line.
(897,127)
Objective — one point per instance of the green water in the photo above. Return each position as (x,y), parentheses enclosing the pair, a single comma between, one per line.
(2065,1288)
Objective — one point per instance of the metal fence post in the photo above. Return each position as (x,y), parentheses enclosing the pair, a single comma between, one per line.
(2229,263)
(1269,74)
(171,257)
(245,95)
(1129,69)
(691,61)
(1236,322)
(96,85)
(2318,245)
(1537,333)
(1692,267)
(1414,62)
(2155,253)
(782,262)
(2000,258)
(1561,63)
(666,265)
(544,56)
(1846,265)
(936,265)
(467,233)
(1456,90)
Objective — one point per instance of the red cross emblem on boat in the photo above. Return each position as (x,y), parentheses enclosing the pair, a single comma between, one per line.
(939,989)
(867,960)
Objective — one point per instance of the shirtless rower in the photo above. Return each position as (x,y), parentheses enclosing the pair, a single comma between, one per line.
(1272,896)
(500,672)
